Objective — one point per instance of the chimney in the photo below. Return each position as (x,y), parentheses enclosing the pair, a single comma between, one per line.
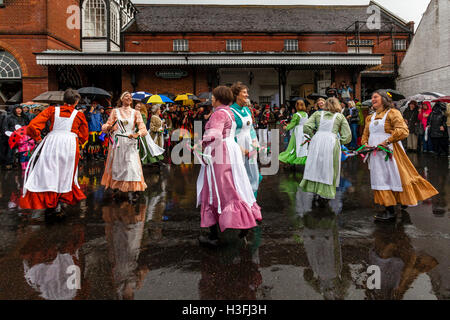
(411,26)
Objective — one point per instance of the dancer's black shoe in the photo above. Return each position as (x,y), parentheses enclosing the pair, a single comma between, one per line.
(386,216)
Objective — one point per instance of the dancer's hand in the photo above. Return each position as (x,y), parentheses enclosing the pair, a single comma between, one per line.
(133,136)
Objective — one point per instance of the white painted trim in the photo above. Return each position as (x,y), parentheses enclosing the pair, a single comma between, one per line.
(126,59)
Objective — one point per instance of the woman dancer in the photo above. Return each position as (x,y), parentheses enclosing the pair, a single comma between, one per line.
(52,178)
(395,181)
(323,165)
(296,152)
(123,170)
(245,134)
(223,188)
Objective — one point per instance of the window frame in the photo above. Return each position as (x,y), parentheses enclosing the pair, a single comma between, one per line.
(98,9)
(404,44)
(183,47)
(231,45)
(287,46)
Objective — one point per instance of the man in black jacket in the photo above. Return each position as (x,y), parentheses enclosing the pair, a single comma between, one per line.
(437,123)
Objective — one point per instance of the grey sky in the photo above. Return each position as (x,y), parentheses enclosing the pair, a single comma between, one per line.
(409,10)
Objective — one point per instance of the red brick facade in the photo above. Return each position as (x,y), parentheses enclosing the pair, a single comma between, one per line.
(32,26)
(28,27)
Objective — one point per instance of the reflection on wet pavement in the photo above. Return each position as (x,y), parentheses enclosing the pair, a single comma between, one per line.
(306,248)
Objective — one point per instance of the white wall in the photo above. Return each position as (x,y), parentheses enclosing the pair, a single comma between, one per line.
(426,66)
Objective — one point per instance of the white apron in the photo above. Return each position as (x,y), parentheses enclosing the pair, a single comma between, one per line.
(244,140)
(384,175)
(240,178)
(126,162)
(302,151)
(319,164)
(53,170)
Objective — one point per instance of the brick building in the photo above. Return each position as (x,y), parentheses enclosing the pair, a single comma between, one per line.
(278,51)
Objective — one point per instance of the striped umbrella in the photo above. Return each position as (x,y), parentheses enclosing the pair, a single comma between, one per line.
(140,95)
(158,99)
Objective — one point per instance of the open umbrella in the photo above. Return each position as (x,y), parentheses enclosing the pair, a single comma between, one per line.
(169,95)
(295,99)
(367,103)
(93,91)
(50,97)
(17,136)
(157,99)
(445,99)
(187,96)
(207,103)
(140,95)
(315,96)
(433,94)
(396,95)
(205,95)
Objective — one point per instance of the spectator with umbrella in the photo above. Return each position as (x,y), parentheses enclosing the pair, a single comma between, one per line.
(95,122)
(353,120)
(24,144)
(424,140)
(411,116)
(437,124)
(16,117)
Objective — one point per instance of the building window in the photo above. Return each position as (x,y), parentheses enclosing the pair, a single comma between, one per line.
(291,45)
(9,67)
(94,18)
(115,25)
(399,44)
(365,50)
(234,45)
(2,3)
(180,45)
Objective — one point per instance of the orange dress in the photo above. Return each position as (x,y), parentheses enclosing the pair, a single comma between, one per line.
(415,188)
(43,200)
(107,179)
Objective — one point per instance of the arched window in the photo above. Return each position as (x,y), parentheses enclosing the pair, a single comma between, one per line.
(9,67)
(115,24)
(94,18)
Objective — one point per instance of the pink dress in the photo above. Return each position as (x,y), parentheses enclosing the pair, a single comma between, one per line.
(223,188)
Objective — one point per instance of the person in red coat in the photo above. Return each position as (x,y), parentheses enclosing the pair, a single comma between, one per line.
(51,177)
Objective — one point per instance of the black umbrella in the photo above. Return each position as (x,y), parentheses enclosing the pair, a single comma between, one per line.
(396,95)
(315,96)
(207,103)
(295,99)
(93,91)
(205,95)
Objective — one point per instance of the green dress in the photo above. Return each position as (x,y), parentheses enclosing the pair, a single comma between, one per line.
(290,155)
(343,133)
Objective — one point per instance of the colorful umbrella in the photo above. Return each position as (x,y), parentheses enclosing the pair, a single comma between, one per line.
(445,99)
(16,136)
(140,95)
(157,99)
(187,96)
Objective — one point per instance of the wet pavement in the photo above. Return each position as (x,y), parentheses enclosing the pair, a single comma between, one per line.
(304,249)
